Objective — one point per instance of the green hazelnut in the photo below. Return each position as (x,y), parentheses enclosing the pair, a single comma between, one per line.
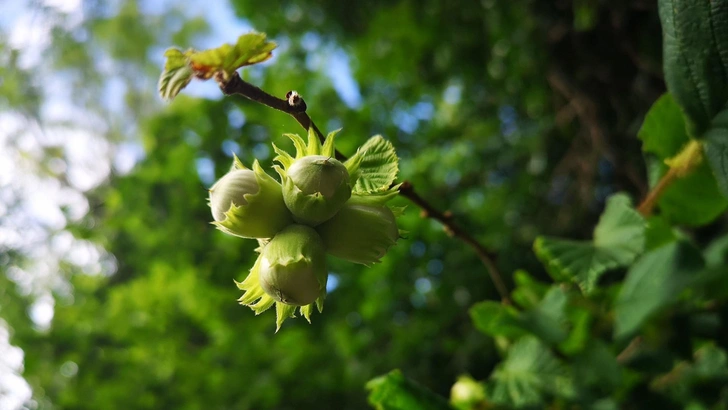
(293,266)
(360,233)
(315,188)
(249,203)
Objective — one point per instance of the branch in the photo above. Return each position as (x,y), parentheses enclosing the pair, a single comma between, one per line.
(681,165)
(630,351)
(648,204)
(407,190)
(295,106)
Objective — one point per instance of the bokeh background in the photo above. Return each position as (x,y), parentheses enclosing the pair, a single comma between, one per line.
(115,291)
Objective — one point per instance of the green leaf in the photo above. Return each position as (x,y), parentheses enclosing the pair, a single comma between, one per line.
(180,67)
(378,166)
(251,48)
(663,131)
(546,320)
(621,230)
(695,49)
(528,291)
(716,253)
(395,392)
(596,366)
(176,75)
(529,373)
(694,199)
(711,362)
(686,379)
(580,320)
(496,319)
(716,150)
(654,282)
(619,238)
(658,233)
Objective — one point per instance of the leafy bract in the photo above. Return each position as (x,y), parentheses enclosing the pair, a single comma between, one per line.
(256,299)
(619,238)
(528,374)
(654,282)
(378,166)
(695,198)
(695,48)
(180,67)
(393,391)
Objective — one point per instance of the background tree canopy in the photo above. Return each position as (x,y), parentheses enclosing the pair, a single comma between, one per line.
(520,117)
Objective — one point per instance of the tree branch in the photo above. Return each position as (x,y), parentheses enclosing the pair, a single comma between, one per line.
(295,106)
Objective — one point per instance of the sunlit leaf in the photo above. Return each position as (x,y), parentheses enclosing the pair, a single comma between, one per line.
(251,48)
(180,67)
(378,165)
(176,75)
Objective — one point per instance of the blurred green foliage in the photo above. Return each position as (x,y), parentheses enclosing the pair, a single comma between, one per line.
(518,116)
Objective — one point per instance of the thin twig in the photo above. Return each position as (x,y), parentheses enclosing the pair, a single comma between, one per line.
(648,204)
(294,106)
(630,351)
(681,165)
(454,230)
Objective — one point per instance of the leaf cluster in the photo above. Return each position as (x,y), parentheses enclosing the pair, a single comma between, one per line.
(636,315)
